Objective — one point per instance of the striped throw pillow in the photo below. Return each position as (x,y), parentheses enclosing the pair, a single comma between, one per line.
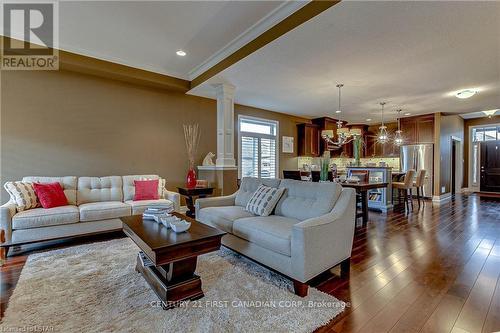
(22,194)
(264,200)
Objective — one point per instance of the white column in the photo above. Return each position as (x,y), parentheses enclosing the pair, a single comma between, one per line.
(225,125)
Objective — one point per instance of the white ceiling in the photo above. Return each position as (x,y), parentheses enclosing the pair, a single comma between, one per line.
(147,34)
(410,54)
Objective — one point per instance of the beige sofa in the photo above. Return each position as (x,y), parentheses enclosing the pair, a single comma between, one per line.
(311,230)
(95,205)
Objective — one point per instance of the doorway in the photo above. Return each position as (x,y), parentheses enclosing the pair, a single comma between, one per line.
(490,166)
(453,166)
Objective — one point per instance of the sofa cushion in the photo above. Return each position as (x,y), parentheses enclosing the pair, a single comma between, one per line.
(304,200)
(222,217)
(23,195)
(41,217)
(103,210)
(68,184)
(129,186)
(138,207)
(146,189)
(248,187)
(50,195)
(99,189)
(264,200)
(271,232)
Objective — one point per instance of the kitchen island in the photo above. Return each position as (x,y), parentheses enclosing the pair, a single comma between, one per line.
(379,198)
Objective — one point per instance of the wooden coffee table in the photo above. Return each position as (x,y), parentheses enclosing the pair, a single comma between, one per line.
(174,256)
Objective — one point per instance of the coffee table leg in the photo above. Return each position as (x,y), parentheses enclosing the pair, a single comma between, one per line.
(174,282)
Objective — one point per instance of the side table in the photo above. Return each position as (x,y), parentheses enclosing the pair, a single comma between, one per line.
(191,194)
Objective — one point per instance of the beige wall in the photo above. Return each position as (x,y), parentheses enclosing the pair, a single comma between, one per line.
(451,126)
(67,123)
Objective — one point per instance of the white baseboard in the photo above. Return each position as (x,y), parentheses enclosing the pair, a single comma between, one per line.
(441,198)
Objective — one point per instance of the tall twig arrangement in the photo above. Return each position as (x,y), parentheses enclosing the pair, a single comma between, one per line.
(192,138)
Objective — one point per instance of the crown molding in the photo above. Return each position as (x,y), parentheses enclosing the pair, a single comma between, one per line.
(264,24)
(306,12)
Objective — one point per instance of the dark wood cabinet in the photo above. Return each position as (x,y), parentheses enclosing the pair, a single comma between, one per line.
(326,124)
(309,140)
(418,129)
(377,149)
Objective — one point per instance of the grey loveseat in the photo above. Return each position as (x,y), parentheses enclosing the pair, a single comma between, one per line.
(95,205)
(311,230)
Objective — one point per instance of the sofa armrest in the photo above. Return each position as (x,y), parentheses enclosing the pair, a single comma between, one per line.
(322,242)
(175,198)
(228,200)
(7,211)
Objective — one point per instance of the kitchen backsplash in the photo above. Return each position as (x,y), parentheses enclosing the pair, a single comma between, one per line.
(342,163)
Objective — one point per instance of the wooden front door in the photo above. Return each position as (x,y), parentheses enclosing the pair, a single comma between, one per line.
(490,166)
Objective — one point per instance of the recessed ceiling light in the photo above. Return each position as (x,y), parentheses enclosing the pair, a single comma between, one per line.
(180,53)
(338,111)
(466,93)
(368,119)
(407,113)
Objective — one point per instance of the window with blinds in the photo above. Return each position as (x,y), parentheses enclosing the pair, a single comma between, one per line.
(258,155)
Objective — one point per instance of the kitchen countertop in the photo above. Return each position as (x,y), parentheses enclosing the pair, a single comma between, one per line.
(367,167)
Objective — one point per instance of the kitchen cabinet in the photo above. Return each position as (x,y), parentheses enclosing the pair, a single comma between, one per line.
(309,140)
(328,124)
(418,129)
(377,149)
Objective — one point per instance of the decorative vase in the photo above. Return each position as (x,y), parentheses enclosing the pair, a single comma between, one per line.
(357,150)
(191,178)
(325,166)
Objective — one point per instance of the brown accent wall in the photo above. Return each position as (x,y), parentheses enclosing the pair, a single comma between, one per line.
(66,123)
(467,124)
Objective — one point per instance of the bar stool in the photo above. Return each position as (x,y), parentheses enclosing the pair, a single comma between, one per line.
(419,184)
(406,187)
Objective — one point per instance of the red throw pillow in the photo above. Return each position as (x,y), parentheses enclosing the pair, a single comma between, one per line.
(146,190)
(50,195)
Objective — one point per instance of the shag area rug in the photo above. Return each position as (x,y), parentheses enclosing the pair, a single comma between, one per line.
(95,288)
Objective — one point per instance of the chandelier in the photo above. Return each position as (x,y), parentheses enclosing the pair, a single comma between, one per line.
(382,136)
(344,134)
(398,138)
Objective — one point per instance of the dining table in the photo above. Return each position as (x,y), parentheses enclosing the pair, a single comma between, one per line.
(362,189)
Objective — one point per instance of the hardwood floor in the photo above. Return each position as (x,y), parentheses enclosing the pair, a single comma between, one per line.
(436,269)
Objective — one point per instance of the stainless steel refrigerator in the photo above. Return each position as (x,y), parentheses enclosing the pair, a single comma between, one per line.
(418,157)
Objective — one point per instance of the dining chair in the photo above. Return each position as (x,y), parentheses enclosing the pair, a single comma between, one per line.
(363,175)
(291,174)
(405,187)
(419,184)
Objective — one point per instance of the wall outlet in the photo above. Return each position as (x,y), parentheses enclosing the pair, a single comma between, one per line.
(443,189)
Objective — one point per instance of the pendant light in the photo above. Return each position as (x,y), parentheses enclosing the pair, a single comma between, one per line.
(339,110)
(398,138)
(383,137)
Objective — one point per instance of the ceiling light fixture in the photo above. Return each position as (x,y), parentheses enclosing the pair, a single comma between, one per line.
(407,113)
(490,113)
(466,93)
(368,119)
(383,137)
(340,85)
(180,53)
(398,138)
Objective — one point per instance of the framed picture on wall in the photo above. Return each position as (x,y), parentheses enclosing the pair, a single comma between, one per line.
(288,144)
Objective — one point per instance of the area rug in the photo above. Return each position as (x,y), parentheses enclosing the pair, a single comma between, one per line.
(95,288)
